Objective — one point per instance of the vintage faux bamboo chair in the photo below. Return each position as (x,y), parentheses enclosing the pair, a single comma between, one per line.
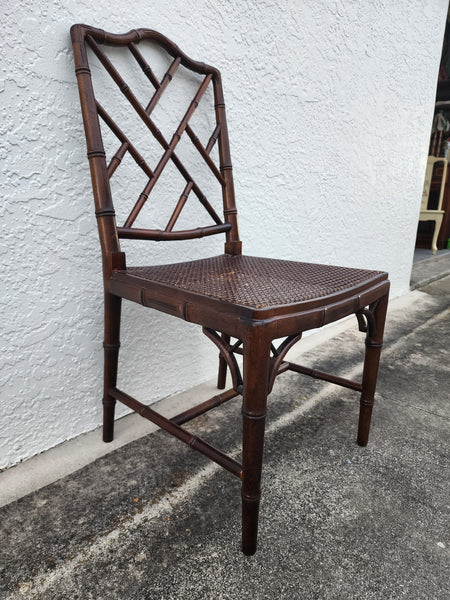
(251,300)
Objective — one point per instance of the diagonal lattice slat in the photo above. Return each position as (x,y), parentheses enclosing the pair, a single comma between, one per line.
(125,89)
(161,87)
(144,65)
(184,196)
(203,151)
(205,155)
(126,146)
(169,153)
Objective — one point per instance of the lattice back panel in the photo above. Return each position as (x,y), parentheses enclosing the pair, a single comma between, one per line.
(159,117)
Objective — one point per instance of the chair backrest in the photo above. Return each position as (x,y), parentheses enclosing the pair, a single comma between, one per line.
(440,175)
(103,166)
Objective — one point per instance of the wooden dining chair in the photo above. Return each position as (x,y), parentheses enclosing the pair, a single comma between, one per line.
(245,304)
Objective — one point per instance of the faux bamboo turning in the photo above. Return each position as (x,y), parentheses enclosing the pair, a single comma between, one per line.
(243,303)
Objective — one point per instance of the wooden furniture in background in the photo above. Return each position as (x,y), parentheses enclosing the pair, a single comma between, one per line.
(437,177)
(440,135)
(243,303)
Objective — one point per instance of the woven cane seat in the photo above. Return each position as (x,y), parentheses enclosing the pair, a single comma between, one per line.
(257,282)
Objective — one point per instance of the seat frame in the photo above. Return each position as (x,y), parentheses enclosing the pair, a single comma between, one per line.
(254,328)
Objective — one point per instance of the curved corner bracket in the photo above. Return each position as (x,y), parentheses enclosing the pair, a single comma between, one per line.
(278,356)
(227,352)
(366,320)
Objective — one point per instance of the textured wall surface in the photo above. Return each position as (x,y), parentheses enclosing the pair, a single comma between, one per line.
(329,107)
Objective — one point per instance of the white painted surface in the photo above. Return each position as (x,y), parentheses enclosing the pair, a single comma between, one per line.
(329,109)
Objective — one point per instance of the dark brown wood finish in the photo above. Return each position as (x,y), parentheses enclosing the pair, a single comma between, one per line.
(242,303)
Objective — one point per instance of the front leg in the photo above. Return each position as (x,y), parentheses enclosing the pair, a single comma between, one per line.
(256,382)
(374,342)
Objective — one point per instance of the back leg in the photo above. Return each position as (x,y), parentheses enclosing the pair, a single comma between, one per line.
(374,342)
(111,345)
(222,376)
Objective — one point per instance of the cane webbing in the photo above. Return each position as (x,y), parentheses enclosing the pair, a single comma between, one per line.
(254,281)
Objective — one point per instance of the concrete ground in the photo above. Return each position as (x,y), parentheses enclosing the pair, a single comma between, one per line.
(429,267)
(154,520)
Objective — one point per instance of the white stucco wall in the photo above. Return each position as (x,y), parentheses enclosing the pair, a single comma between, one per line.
(329,108)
